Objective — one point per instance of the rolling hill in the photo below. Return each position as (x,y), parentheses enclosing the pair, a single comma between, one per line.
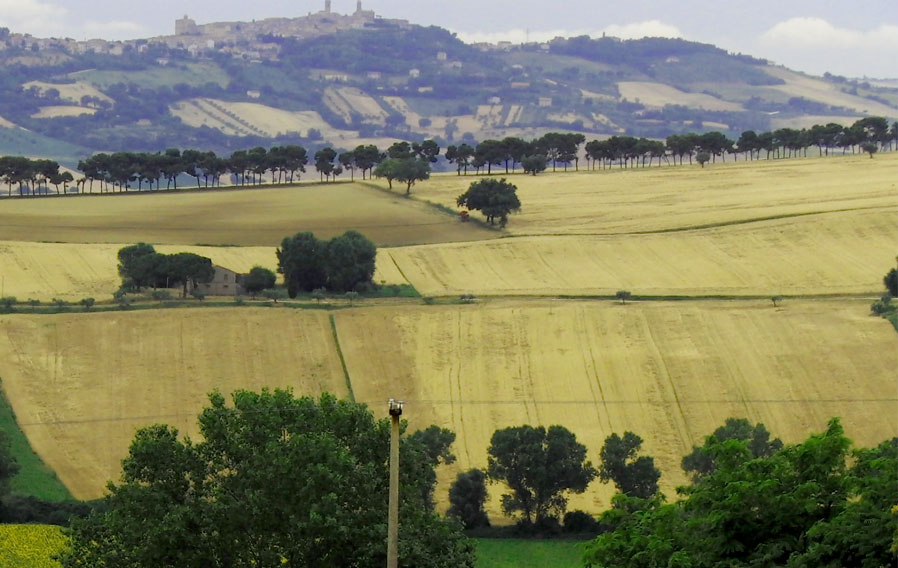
(350,84)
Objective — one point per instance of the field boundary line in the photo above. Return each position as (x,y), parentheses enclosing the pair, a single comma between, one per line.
(346,376)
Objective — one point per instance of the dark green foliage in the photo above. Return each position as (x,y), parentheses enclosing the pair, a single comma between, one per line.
(467,497)
(276,481)
(8,465)
(580,522)
(703,158)
(258,279)
(891,282)
(8,303)
(141,266)
(494,198)
(435,444)
(19,509)
(634,476)
(128,263)
(534,164)
(539,466)
(802,506)
(349,261)
(301,259)
(700,462)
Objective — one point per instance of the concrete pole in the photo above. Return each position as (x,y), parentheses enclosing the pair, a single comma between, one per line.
(393,521)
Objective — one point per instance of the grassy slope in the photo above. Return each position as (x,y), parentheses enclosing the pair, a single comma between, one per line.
(514,553)
(34,477)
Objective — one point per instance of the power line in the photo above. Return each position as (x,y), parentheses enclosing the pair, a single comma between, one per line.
(424,402)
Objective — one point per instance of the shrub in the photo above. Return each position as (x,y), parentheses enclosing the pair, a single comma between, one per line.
(623,296)
(274,294)
(60,304)
(580,522)
(160,295)
(8,303)
(88,303)
(34,303)
(467,497)
(196,293)
(883,305)
(467,298)
(428,300)
(238,300)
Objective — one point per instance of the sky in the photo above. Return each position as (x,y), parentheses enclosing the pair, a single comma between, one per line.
(857,38)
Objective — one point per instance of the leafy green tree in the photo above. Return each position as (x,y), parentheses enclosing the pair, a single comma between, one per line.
(366,157)
(427,150)
(460,156)
(540,467)
(302,261)
(88,303)
(634,476)
(802,506)
(388,169)
(436,444)
(258,279)
(276,481)
(128,258)
(891,282)
(400,151)
(623,296)
(188,269)
(490,152)
(412,170)
(324,162)
(350,260)
(534,164)
(467,496)
(703,158)
(700,462)
(8,303)
(494,198)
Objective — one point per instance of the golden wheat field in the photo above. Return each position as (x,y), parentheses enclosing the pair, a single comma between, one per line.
(102,376)
(245,217)
(670,371)
(72,271)
(674,198)
(829,253)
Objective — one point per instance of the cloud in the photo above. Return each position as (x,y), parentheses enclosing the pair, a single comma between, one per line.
(38,18)
(817,32)
(815,45)
(114,30)
(636,30)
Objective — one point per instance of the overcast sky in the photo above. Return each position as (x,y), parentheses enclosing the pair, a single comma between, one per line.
(854,38)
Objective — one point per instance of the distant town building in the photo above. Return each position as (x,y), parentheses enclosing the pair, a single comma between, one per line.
(226,282)
(494,100)
(414,73)
(442,56)
(186,26)
(545,101)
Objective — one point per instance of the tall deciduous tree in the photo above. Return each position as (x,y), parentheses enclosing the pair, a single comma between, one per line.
(275,482)
(494,198)
(635,476)
(467,496)
(700,462)
(350,261)
(302,261)
(540,467)
(258,279)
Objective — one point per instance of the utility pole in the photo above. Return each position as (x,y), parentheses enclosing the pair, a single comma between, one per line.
(393,521)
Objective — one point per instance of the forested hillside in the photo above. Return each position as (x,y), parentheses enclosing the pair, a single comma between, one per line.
(383,82)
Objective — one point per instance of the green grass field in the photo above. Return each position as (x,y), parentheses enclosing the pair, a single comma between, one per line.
(34,478)
(518,553)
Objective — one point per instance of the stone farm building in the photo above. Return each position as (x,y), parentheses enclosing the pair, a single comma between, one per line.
(225,283)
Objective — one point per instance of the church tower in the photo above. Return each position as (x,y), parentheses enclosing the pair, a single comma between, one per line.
(327,6)
(358,7)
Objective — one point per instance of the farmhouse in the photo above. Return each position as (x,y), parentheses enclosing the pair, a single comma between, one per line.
(226,282)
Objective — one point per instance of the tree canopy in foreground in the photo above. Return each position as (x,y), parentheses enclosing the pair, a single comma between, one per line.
(278,482)
(809,505)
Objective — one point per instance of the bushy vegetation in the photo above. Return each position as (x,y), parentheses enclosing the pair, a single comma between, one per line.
(342,264)
(140,266)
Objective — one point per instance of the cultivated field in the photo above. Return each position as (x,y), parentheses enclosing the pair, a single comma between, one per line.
(658,95)
(30,546)
(62,110)
(72,92)
(73,271)
(667,198)
(828,253)
(244,217)
(672,372)
(105,375)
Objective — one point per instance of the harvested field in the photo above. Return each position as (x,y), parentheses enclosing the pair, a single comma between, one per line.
(829,253)
(65,110)
(814,89)
(671,372)
(72,92)
(73,271)
(81,385)
(658,95)
(665,198)
(243,217)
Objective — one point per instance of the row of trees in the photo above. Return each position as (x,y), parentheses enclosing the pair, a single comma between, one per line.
(342,264)
(32,174)
(140,266)
(411,162)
